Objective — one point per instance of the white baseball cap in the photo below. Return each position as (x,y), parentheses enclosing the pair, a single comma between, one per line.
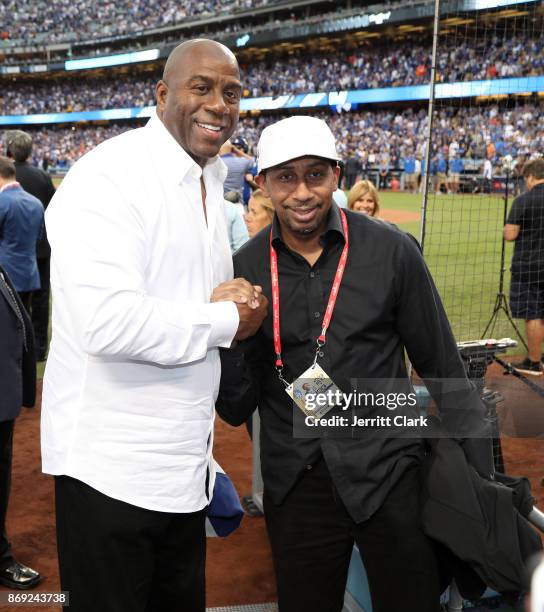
(295,137)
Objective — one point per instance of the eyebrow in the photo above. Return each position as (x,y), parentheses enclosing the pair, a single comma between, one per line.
(309,167)
(207,79)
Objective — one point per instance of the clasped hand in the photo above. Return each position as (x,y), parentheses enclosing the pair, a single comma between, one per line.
(252,305)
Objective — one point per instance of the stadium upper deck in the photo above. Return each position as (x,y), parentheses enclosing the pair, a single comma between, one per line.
(305,56)
(85,29)
(394,64)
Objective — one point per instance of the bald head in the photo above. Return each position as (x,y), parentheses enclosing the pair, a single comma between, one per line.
(198,98)
(194,48)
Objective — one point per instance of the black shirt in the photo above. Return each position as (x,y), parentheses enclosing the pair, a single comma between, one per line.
(528,212)
(39,184)
(387,301)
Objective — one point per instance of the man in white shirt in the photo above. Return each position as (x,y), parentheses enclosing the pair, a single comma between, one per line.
(141,278)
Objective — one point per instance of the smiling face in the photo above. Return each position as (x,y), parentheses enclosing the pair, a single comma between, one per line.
(365,204)
(301,192)
(198,99)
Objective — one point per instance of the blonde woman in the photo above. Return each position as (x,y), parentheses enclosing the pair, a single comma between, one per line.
(363,198)
(260,213)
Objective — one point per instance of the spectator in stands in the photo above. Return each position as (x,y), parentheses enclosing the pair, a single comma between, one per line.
(525,226)
(21,224)
(383,170)
(249,180)
(363,198)
(441,174)
(352,169)
(517,174)
(17,388)
(456,168)
(260,213)
(236,226)
(339,196)
(239,165)
(409,164)
(418,172)
(487,176)
(39,184)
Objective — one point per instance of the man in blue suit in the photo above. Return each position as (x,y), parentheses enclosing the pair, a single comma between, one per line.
(21,223)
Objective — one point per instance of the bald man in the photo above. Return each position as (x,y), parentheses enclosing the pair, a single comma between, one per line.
(141,275)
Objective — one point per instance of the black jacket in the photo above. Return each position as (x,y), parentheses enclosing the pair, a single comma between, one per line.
(39,184)
(484,537)
(17,354)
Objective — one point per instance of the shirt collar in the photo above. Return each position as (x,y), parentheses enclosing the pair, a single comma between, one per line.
(12,185)
(175,161)
(334,226)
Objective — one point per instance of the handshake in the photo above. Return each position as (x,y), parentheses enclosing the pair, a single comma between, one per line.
(252,305)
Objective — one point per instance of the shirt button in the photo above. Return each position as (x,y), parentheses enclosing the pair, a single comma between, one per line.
(312,274)
(321,353)
(317,315)
(309,467)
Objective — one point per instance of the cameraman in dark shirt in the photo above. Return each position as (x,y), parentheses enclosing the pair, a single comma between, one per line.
(525,226)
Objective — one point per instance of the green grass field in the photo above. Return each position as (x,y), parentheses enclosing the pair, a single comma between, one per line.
(462,247)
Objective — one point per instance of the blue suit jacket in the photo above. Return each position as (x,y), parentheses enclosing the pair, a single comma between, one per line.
(21,223)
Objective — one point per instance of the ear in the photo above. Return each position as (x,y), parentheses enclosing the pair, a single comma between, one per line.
(161,91)
(336,175)
(260,179)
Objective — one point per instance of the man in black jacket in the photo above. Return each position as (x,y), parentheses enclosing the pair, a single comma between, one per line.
(38,183)
(354,293)
(17,388)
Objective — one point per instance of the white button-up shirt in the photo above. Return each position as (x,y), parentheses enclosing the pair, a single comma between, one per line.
(133,370)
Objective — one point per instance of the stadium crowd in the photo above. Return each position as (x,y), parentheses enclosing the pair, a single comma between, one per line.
(84,20)
(367,67)
(375,136)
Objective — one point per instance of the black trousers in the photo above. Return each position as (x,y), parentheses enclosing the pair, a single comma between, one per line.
(115,557)
(40,309)
(312,538)
(6,451)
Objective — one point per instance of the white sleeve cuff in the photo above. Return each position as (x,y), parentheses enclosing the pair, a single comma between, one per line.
(224,319)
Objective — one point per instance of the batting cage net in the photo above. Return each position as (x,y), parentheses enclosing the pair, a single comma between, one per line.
(487,125)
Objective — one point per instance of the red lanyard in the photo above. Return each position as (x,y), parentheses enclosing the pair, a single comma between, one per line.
(330,306)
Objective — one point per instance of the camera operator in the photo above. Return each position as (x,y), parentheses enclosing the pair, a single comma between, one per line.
(525,226)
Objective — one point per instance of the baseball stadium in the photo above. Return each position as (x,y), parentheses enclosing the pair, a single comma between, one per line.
(436,110)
